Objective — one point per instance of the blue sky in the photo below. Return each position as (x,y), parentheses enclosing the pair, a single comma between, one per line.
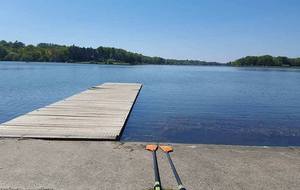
(211,30)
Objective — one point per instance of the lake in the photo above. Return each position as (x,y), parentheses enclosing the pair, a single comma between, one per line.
(184,104)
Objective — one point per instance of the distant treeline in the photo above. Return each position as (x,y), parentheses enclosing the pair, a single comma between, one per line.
(46,52)
(266,60)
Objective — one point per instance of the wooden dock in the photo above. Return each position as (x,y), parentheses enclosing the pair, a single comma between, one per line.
(97,113)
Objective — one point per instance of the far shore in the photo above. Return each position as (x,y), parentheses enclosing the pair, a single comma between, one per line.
(130,64)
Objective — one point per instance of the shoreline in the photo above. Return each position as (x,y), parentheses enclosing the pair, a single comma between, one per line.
(129,64)
(115,63)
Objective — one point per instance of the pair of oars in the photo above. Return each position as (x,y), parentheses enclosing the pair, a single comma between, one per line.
(167,150)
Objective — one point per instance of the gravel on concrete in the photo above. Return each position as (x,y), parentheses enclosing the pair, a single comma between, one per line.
(71,165)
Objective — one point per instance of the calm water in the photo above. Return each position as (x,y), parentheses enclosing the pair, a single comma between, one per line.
(189,104)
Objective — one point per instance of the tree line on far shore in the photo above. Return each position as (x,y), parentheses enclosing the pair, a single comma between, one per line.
(47,52)
(266,60)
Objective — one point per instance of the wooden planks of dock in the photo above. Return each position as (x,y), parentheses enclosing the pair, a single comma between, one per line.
(97,113)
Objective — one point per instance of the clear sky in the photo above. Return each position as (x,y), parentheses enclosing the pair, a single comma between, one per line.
(211,30)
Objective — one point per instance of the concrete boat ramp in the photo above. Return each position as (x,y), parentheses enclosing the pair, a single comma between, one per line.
(33,164)
(97,113)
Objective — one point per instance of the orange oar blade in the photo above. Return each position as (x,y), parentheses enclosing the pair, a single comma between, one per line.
(166,148)
(151,147)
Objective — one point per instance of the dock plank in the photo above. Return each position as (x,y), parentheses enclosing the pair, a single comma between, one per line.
(97,113)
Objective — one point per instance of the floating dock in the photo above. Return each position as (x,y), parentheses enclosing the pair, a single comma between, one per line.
(98,113)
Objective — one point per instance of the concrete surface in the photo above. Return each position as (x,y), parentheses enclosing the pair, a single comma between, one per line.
(72,165)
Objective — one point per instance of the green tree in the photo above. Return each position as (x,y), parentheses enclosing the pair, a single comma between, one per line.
(12,56)
(3,53)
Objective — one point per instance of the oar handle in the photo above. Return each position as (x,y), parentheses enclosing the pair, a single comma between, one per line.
(157,185)
(180,186)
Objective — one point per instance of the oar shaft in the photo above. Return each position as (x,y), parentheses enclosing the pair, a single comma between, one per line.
(157,185)
(180,186)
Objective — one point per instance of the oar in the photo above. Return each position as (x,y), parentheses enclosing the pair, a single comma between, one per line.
(168,149)
(153,149)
